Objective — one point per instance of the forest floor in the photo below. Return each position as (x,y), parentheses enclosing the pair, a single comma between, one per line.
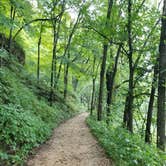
(71,144)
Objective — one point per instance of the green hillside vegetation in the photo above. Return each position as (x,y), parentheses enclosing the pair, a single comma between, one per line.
(26,118)
(123,148)
(106,57)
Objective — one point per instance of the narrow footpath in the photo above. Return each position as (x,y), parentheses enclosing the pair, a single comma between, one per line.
(72,144)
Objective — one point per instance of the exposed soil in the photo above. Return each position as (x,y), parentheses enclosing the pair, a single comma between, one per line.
(72,144)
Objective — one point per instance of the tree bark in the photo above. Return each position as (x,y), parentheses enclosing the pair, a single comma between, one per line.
(74,83)
(128,112)
(12,17)
(103,66)
(93,86)
(161,115)
(66,77)
(110,78)
(68,44)
(55,41)
(150,107)
(38,59)
(93,96)
(66,71)
(53,63)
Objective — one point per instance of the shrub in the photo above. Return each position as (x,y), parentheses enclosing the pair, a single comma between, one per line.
(124,148)
(25,120)
(20,130)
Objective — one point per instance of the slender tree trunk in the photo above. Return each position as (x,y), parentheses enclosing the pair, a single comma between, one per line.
(93,86)
(130,101)
(161,115)
(110,78)
(128,112)
(103,66)
(56,31)
(66,71)
(125,115)
(150,107)
(54,51)
(74,83)
(66,77)
(101,88)
(12,17)
(59,71)
(38,59)
(68,43)
(53,64)
(93,96)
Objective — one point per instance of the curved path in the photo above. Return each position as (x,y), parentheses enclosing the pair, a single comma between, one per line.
(72,144)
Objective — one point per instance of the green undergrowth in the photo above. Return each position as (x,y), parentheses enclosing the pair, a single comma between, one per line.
(123,148)
(26,119)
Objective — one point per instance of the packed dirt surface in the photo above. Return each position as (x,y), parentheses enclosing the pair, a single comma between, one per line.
(72,144)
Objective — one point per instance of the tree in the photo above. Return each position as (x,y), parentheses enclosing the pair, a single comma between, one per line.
(128,112)
(94,77)
(110,78)
(161,113)
(103,65)
(150,106)
(38,59)
(12,17)
(67,51)
(56,24)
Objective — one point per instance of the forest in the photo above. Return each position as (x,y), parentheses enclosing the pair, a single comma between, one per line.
(82,82)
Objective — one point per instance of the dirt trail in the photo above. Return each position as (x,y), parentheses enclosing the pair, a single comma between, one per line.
(72,144)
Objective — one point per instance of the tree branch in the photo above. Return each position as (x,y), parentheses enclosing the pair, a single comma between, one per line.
(145,43)
(32,21)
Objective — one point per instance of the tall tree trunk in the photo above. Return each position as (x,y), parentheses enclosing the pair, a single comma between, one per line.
(53,63)
(161,115)
(110,78)
(74,83)
(103,66)
(101,88)
(66,76)
(59,71)
(93,86)
(55,41)
(66,71)
(93,96)
(12,17)
(150,107)
(128,112)
(68,43)
(125,115)
(38,59)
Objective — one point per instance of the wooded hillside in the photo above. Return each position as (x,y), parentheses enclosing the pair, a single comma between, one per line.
(108,57)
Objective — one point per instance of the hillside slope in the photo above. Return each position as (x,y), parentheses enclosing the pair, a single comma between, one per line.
(26,119)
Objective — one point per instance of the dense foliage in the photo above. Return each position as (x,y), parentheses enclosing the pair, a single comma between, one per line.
(109,54)
(25,121)
(125,149)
